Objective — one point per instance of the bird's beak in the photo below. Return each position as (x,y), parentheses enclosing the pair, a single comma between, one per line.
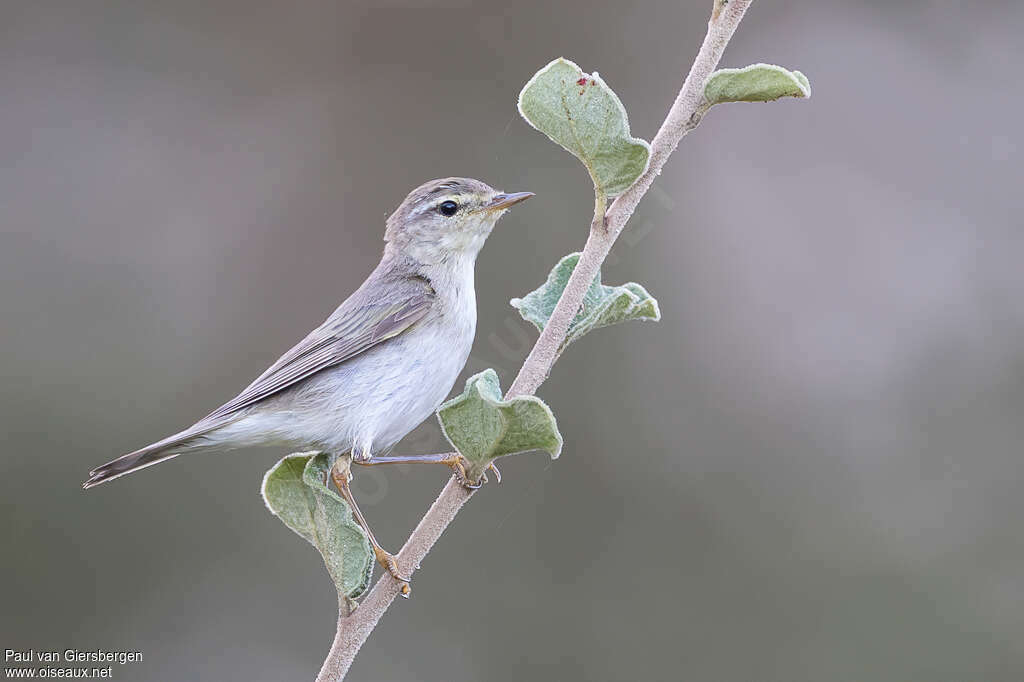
(503,201)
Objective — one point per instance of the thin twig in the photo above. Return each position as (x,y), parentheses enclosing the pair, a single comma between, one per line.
(684,116)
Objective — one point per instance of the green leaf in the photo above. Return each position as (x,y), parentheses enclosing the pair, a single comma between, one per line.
(755,83)
(602,305)
(482,426)
(581,113)
(295,491)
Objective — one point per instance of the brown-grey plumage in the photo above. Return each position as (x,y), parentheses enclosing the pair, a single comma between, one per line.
(384,306)
(415,306)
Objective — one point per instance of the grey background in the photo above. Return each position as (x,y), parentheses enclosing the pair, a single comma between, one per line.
(809,470)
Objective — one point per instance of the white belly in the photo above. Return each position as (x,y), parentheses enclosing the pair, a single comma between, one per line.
(370,402)
(392,391)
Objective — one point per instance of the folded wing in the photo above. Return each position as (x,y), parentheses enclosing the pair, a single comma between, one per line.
(356,326)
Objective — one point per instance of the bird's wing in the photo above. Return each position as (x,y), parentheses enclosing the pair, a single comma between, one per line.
(358,324)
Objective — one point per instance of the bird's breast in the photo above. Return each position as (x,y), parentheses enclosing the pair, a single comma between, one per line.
(416,376)
(376,398)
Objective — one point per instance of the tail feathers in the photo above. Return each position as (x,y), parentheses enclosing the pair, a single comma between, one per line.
(126,465)
(167,448)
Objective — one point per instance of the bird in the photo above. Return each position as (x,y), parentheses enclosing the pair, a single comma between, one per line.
(379,365)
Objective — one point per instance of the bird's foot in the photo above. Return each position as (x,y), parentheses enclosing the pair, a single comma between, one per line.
(341,474)
(458,465)
(390,564)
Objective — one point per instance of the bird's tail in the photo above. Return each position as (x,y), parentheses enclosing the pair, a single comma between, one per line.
(165,449)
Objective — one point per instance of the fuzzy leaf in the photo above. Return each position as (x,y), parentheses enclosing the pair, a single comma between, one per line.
(581,113)
(295,492)
(755,83)
(482,426)
(602,305)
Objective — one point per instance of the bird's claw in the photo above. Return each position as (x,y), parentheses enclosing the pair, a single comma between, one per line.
(458,465)
(390,565)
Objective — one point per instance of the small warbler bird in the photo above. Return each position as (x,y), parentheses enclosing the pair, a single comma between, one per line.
(379,365)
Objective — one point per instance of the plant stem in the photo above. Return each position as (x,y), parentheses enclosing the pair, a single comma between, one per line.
(335,666)
(684,116)
(544,353)
(353,630)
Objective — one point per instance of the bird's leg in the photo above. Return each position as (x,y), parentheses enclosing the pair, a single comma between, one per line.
(454,460)
(341,476)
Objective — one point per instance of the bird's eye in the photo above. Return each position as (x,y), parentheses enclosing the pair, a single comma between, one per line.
(447,208)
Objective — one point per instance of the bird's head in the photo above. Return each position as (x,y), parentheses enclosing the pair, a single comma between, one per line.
(447,218)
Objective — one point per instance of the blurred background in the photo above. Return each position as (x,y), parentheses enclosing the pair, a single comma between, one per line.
(809,470)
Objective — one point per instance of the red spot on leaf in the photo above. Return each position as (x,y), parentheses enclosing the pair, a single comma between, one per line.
(583,81)
(592,82)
